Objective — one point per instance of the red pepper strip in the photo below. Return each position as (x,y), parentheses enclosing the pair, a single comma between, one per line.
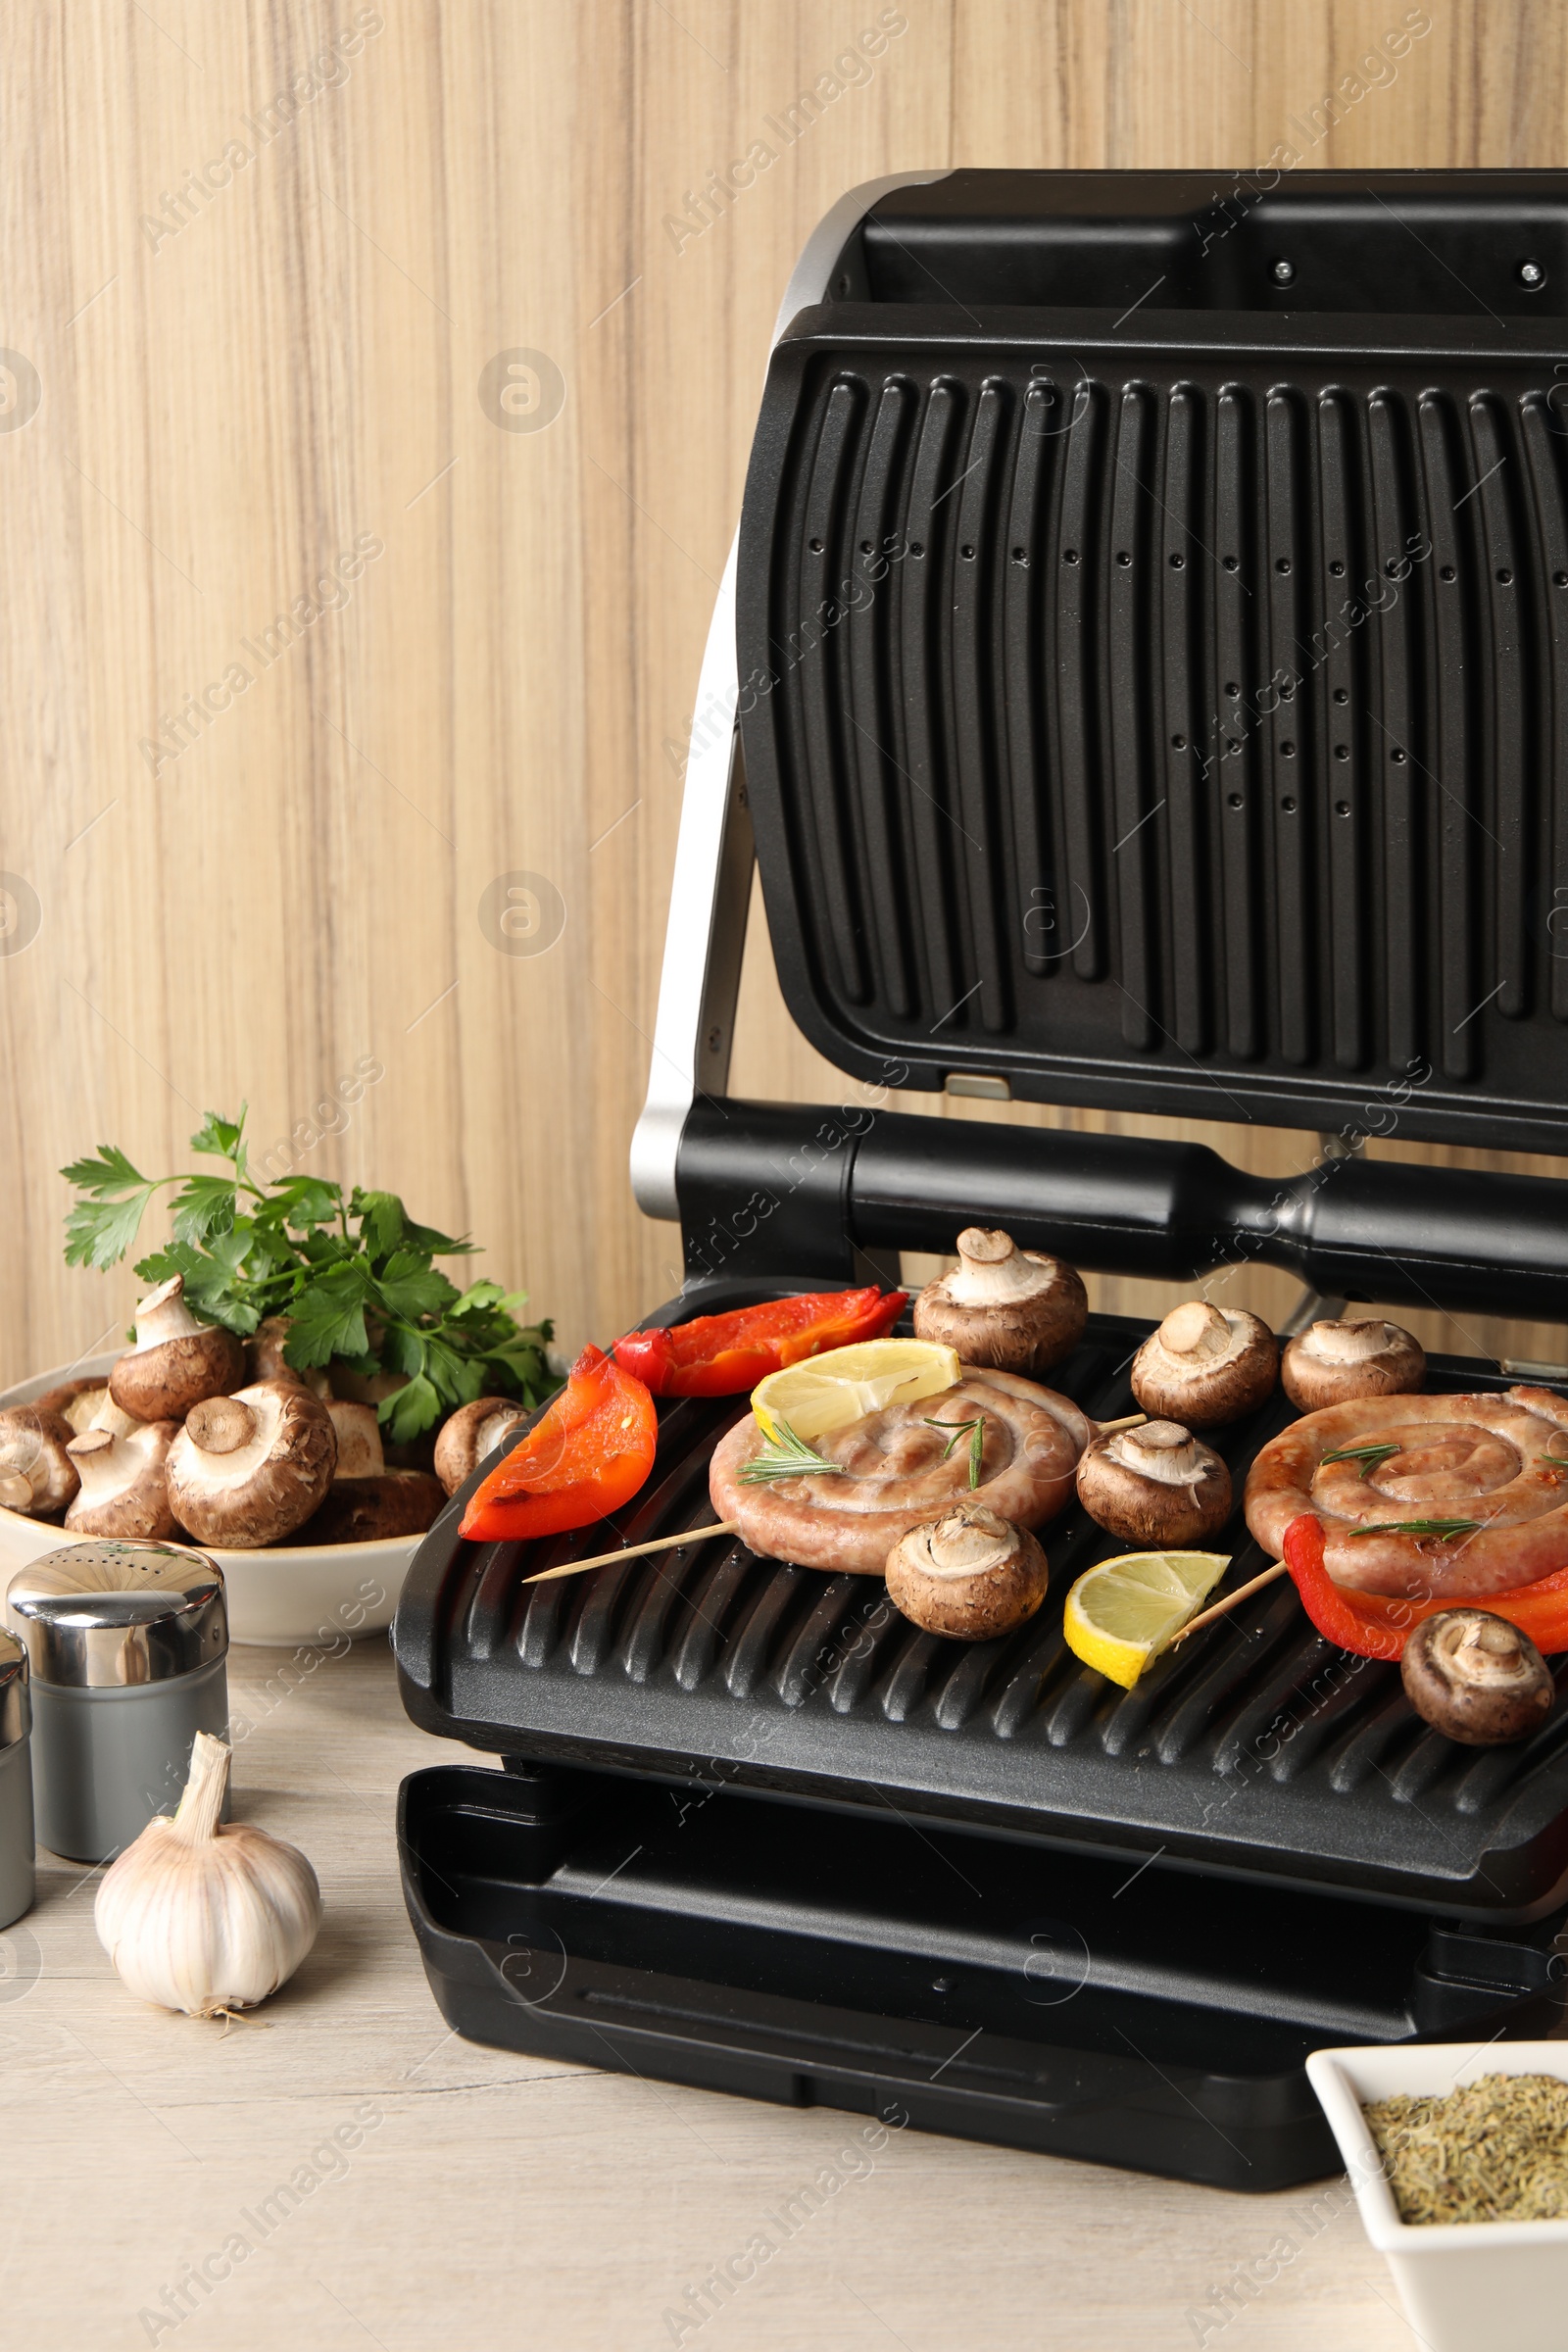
(1376,1625)
(590,1451)
(726,1355)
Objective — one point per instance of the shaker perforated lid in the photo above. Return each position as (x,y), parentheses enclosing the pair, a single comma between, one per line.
(16,1706)
(113,1615)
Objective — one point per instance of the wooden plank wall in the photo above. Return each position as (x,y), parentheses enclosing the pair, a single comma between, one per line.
(320,629)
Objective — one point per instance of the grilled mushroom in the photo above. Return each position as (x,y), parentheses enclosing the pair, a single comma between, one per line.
(125,1488)
(1017,1310)
(1205,1365)
(366,1502)
(970,1575)
(1156,1485)
(471,1433)
(1476,1677)
(37,1476)
(249,1469)
(176,1362)
(1332,1363)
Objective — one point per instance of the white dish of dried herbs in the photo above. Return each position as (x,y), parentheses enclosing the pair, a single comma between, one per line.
(1458,2157)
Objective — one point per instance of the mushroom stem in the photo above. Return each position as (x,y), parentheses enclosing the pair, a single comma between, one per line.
(1194,1329)
(1347,1343)
(164,1315)
(992,1270)
(221,1424)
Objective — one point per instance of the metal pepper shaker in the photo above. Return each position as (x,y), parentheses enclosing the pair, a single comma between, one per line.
(126,1644)
(16,1879)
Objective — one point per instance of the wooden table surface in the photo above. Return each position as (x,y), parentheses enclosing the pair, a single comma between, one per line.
(492,2201)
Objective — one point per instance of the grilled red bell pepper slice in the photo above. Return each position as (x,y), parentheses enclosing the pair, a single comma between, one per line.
(587,1454)
(726,1355)
(1376,1625)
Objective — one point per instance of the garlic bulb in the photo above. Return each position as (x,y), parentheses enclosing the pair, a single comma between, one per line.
(204,1916)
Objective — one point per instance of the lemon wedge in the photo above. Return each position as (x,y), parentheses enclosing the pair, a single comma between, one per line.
(1122,1613)
(828,1392)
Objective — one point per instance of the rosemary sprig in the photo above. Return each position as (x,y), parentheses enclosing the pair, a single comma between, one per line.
(1371,1457)
(976,1430)
(786,1456)
(1445,1528)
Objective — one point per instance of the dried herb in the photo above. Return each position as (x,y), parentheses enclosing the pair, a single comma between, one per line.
(785,1456)
(1445,1528)
(1372,1457)
(1495,2151)
(976,1431)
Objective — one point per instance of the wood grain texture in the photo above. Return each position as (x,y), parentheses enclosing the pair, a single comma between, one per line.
(232,398)
(513,2202)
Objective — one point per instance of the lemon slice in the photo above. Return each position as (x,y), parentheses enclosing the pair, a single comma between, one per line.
(1122,1613)
(828,1392)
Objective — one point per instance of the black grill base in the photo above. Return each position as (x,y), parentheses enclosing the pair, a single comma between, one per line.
(707,1936)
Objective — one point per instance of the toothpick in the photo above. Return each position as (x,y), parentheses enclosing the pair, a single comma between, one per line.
(1223,1608)
(1127,1421)
(633,1551)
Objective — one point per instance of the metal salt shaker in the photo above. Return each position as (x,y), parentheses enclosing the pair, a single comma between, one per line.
(126,1644)
(16,1783)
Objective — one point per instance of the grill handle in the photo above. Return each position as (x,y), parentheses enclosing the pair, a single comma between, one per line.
(768,1188)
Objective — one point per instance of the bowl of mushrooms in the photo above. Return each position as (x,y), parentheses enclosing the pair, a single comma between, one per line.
(192,1434)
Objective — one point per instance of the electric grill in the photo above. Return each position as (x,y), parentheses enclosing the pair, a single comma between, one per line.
(1142,679)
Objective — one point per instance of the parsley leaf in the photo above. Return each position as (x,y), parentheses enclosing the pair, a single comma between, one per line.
(351,1273)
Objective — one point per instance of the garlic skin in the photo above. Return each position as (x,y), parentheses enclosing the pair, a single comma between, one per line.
(204,1916)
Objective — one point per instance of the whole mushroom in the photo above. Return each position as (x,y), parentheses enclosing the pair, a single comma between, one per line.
(1476,1677)
(37,1476)
(247,1470)
(1017,1310)
(366,1502)
(970,1575)
(472,1432)
(176,1362)
(1157,1485)
(1333,1364)
(125,1490)
(1205,1365)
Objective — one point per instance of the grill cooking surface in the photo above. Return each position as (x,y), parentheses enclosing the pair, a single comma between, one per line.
(1255,1749)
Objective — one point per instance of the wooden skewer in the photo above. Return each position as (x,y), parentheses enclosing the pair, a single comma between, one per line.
(1127,1421)
(633,1552)
(1223,1608)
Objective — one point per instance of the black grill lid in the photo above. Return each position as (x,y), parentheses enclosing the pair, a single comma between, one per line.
(1256,1749)
(1166,708)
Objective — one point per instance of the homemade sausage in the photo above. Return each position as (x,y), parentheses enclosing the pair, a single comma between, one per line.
(892,1473)
(1498,1460)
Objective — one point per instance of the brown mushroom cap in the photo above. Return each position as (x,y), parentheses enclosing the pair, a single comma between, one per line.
(1476,1677)
(1015,1310)
(1205,1365)
(472,1432)
(1157,1485)
(969,1574)
(76,1400)
(247,1469)
(124,1484)
(1333,1364)
(37,1476)
(375,1510)
(176,1362)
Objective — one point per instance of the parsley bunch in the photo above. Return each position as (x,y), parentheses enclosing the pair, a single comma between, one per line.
(354,1277)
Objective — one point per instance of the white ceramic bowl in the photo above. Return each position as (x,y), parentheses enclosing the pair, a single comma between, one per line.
(1467,2287)
(280,1598)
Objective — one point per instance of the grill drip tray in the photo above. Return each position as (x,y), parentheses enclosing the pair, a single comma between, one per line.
(961,1984)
